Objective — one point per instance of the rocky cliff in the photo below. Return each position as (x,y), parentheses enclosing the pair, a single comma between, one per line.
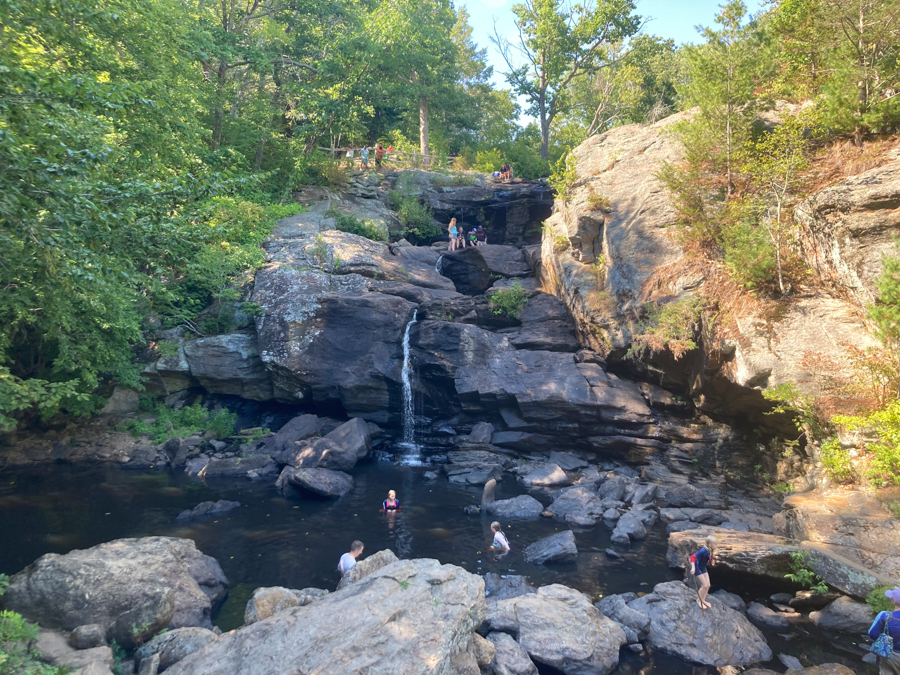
(612,250)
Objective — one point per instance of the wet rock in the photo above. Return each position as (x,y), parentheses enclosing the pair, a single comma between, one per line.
(523,506)
(501,587)
(615,607)
(99,584)
(559,547)
(208,509)
(567,461)
(353,436)
(684,495)
(762,614)
(731,600)
(845,615)
(546,476)
(468,271)
(590,645)
(481,433)
(268,601)
(509,657)
(238,466)
(440,604)
(367,566)
(612,554)
(173,646)
(88,636)
(613,488)
(323,482)
(781,598)
(720,637)
(578,505)
(790,662)
(629,528)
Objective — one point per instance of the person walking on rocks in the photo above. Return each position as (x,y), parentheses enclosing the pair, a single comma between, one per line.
(500,543)
(364,157)
(888,623)
(348,560)
(452,229)
(379,155)
(699,561)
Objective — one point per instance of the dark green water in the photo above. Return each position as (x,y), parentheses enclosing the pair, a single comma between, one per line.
(273,541)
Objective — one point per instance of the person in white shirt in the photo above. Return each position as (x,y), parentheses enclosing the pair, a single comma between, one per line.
(348,560)
(501,543)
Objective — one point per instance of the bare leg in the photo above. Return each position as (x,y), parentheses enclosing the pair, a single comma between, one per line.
(704,589)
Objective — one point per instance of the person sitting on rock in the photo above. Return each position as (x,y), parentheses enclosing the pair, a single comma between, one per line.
(391,503)
(889,665)
(473,237)
(461,236)
(482,236)
(500,543)
(699,561)
(348,560)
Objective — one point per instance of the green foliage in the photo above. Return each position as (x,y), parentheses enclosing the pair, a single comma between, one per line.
(669,326)
(803,575)
(186,421)
(413,214)
(878,601)
(508,302)
(347,223)
(885,313)
(884,460)
(488,161)
(564,177)
(15,635)
(836,460)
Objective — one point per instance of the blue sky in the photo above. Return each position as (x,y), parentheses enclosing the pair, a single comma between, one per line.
(674,19)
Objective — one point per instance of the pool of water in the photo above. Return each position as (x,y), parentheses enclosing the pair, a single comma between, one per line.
(273,541)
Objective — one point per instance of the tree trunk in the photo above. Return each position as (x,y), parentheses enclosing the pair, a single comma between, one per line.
(219,110)
(423,128)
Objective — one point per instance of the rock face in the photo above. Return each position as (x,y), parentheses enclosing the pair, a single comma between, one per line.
(230,364)
(558,547)
(103,583)
(468,270)
(723,637)
(440,604)
(751,552)
(843,232)
(589,645)
(367,566)
(173,646)
(509,657)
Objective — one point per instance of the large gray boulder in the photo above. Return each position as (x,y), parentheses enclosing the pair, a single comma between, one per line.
(468,270)
(365,628)
(230,364)
(298,429)
(268,601)
(323,482)
(616,608)
(629,528)
(762,554)
(548,475)
(103,583)
(509,657)
(845,615)
(523,506)
(319,453)
(507,261)
(173,646)
(578,506)
(354,436)
(367,566)
(559,547)
(719,637)
(589,644)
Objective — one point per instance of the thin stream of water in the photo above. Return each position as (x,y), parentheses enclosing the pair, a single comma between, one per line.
(408,419)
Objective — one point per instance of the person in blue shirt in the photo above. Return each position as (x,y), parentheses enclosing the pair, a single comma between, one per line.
(391,503)
(699,561)
(891,665)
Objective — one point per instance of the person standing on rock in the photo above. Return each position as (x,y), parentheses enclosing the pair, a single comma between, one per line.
(364,157)
(699,561)
(453,232)
(348,560)
(500,543)
(889,622)
(379,155)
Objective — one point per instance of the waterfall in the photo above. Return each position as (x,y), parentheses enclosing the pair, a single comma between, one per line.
(407,415)
(437,265)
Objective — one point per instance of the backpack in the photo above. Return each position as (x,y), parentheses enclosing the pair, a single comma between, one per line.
(884,645)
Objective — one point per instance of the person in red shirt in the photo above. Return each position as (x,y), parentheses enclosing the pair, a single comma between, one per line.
(379,155)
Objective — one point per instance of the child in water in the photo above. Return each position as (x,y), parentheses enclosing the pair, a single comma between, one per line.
(391,503)
(500,543)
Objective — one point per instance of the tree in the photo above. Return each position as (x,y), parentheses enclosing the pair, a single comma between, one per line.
(721,80)
(775,163)
(561,42)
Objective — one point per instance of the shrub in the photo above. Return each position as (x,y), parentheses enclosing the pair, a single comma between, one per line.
(803,575)
(877,600)
(352,225)
(417,219)
(488,161)
(884,465)
(319,250)
(670,326)
(222,423)
(15,635)
(597,202)
(836,461)
(564,177)
(508,302)
(187,421)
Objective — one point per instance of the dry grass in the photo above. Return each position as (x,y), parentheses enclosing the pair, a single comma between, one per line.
(838,161)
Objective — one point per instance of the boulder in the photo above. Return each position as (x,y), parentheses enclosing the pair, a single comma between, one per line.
(175,645)
(149,666)
(323,482)
(751,552)
(232,467)
(509,657)
(468,270)
(807,601)
(268,601)
(589,645)
(364,568)
(732,600)
(577,505)
(353,436)
(230,364)
(52,645)
(845,615)
(506,586)
(481,433)
(507,261)
(567,461)
(298,429)
(559,547)
(547,475)
(719,637)
(208,509)
(523,506)
(684,495)
(643,494)
(319,453)
(91,660)
(440,605)
(613,488)
(629,528)
(762,614)
(136,625)
(88,636)
(100,584)
(616,608)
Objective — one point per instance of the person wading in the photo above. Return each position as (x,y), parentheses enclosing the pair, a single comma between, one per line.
(348,560)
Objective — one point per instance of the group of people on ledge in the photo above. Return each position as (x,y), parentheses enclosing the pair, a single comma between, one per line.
(459,237)
(364,152)
(505,173)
